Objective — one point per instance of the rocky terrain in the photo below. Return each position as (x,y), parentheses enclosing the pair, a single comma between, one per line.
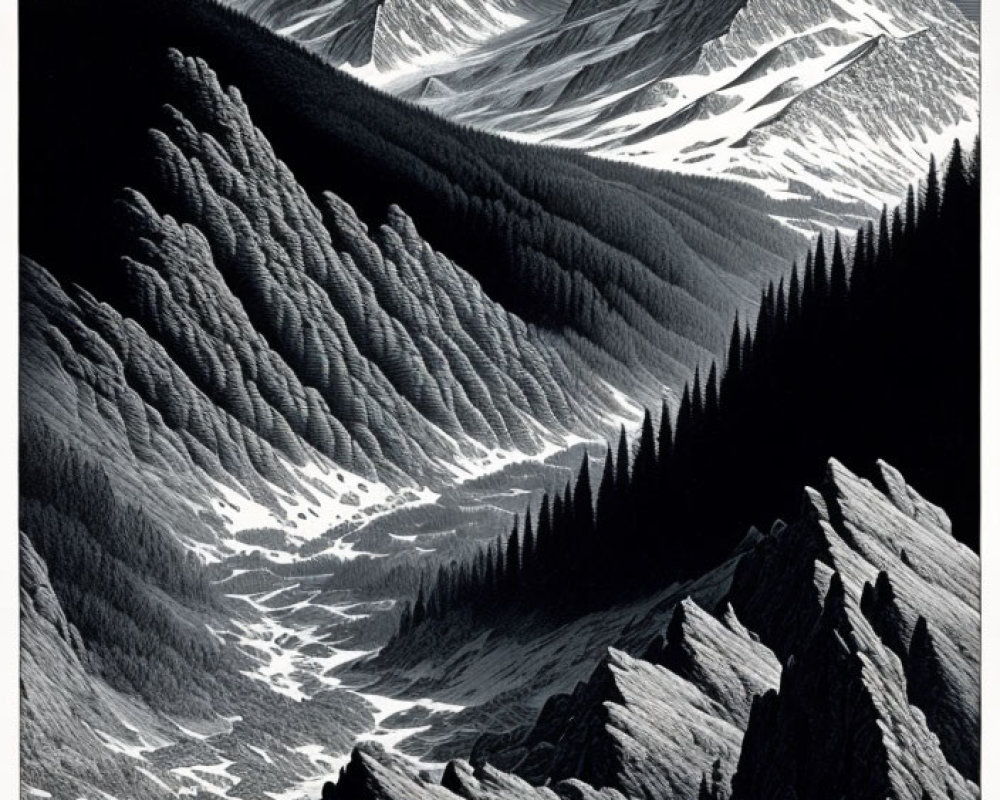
(800,100)
(805,676)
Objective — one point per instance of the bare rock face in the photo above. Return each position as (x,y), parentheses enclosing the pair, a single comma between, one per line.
(901,627)
(654,726)
(840,725)
(721,657)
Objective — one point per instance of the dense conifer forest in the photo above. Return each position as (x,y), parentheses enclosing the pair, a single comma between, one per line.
(868,351)
(122,578)
(580,245)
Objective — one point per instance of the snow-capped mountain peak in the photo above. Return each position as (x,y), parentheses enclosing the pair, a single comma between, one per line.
(838,101)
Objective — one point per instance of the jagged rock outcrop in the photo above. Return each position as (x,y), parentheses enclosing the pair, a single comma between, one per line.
(721,657)
(866,537)
(840,725)
(653,726)
(374,774)
(878,604)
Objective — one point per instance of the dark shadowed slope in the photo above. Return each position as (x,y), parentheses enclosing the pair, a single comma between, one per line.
(638,269)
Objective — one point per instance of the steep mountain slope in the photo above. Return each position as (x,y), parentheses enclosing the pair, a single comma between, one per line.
(902,544)
(800,99)
(395,34)
(839,718)
(241,269)
(379,354)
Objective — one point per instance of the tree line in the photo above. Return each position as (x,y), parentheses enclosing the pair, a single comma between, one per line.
(869,350)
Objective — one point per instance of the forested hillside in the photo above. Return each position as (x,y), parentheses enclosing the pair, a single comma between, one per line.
(638,268)
(843,359)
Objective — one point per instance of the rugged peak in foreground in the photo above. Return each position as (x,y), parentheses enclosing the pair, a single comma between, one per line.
(374,774)
(837,665)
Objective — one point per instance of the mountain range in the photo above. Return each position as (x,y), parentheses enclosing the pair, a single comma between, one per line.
(836,101)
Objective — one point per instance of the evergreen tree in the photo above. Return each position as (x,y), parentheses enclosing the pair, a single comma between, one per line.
(820,279)
(697,401)
(622,478)
(838,276)
(954,190)
(543,536)
(794,296)
(859,269)
(931,205)
(644,467)
(499,569)
(583,511)
(528,552)
(712,396)
(489,576)
(910,225)
(419,608)
(685,423)
(896,233)
(884,245)
(780,309)
(808,286)
(665,438)
(871,247)
(569,512)
(734,356)
(606,495)
(747,358)
(512,563)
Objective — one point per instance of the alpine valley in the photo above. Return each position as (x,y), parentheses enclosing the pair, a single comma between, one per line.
(490,399)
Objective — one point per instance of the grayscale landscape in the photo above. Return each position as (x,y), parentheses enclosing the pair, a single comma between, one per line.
(489,399)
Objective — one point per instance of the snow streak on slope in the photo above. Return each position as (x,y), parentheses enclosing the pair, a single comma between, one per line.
(847,106)
(842,100)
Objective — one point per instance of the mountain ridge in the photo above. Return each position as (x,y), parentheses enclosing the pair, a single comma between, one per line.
(834,661)
(654,83)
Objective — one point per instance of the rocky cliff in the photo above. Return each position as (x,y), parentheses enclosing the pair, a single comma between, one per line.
(835,663)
